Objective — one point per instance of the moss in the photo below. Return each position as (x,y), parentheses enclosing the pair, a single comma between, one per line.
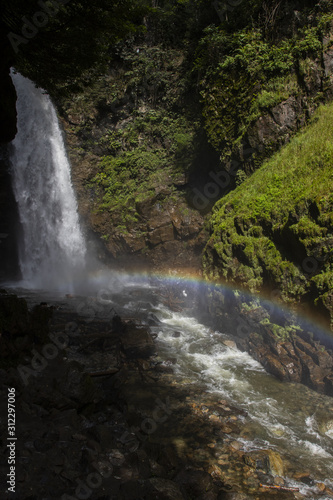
(324,281)
(259,229)
(244,73)
(147,151)
(277,90)
(307,228)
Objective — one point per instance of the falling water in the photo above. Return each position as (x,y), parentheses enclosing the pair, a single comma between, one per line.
(53,250)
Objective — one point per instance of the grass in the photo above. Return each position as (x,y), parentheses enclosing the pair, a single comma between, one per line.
(262,231)
(301,172)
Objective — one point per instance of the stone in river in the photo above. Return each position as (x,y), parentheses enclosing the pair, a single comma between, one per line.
(267,461)
(137,342)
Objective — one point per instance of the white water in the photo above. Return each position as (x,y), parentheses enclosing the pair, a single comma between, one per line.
(285,417)
(281,416)
(52,253)
(288,418)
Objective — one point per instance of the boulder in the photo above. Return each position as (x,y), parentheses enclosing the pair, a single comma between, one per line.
(137,342)
(164,489)
(267,461)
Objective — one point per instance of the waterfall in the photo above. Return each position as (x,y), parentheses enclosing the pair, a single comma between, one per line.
(53,249)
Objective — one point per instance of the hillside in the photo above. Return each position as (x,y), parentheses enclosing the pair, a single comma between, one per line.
(274,232)
(178,110)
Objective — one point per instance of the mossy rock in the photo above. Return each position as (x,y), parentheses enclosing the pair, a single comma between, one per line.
(273,232)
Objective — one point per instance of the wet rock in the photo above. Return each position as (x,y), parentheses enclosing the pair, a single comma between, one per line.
(321,487)
(235,445)
(293,357)
(267,461)
(137,342)
(165,489)
(303,476)
(215,471)
(230,343)
(326,426)
(194,482)
(161,235)
(279,481)
(234,496)
(153,320)
(116,457)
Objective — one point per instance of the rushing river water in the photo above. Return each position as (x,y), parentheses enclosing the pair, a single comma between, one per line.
(288,418)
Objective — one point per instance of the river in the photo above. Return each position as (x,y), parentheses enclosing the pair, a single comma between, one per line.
(288,418)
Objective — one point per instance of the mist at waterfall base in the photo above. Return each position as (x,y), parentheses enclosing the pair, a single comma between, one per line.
(54,261)
(52,250)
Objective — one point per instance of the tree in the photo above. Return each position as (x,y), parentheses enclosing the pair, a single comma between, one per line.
(59,44)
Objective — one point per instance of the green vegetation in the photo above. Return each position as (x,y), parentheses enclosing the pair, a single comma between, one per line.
(64,47)
(148,152)
(263,232)
(144,87)
(245,70)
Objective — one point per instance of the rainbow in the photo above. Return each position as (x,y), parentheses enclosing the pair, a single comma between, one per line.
(191,283)
(186,285)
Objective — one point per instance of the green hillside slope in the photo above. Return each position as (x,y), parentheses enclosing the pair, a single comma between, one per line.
(274,232)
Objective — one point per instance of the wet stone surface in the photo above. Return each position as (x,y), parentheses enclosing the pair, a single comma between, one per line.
(102,420)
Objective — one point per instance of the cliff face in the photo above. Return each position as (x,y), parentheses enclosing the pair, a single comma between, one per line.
(8,211)
(180,121)
(274,232)
(147,177)
(9,224)
(132,142)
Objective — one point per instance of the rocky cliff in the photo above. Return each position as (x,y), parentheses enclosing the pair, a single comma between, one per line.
(132,142)
(169,150)
(153,149)
(274,232)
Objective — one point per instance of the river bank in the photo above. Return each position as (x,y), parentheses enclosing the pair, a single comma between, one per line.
(103,411)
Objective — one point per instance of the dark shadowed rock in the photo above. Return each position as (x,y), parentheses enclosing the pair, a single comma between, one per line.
(164,489)
(137,342)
